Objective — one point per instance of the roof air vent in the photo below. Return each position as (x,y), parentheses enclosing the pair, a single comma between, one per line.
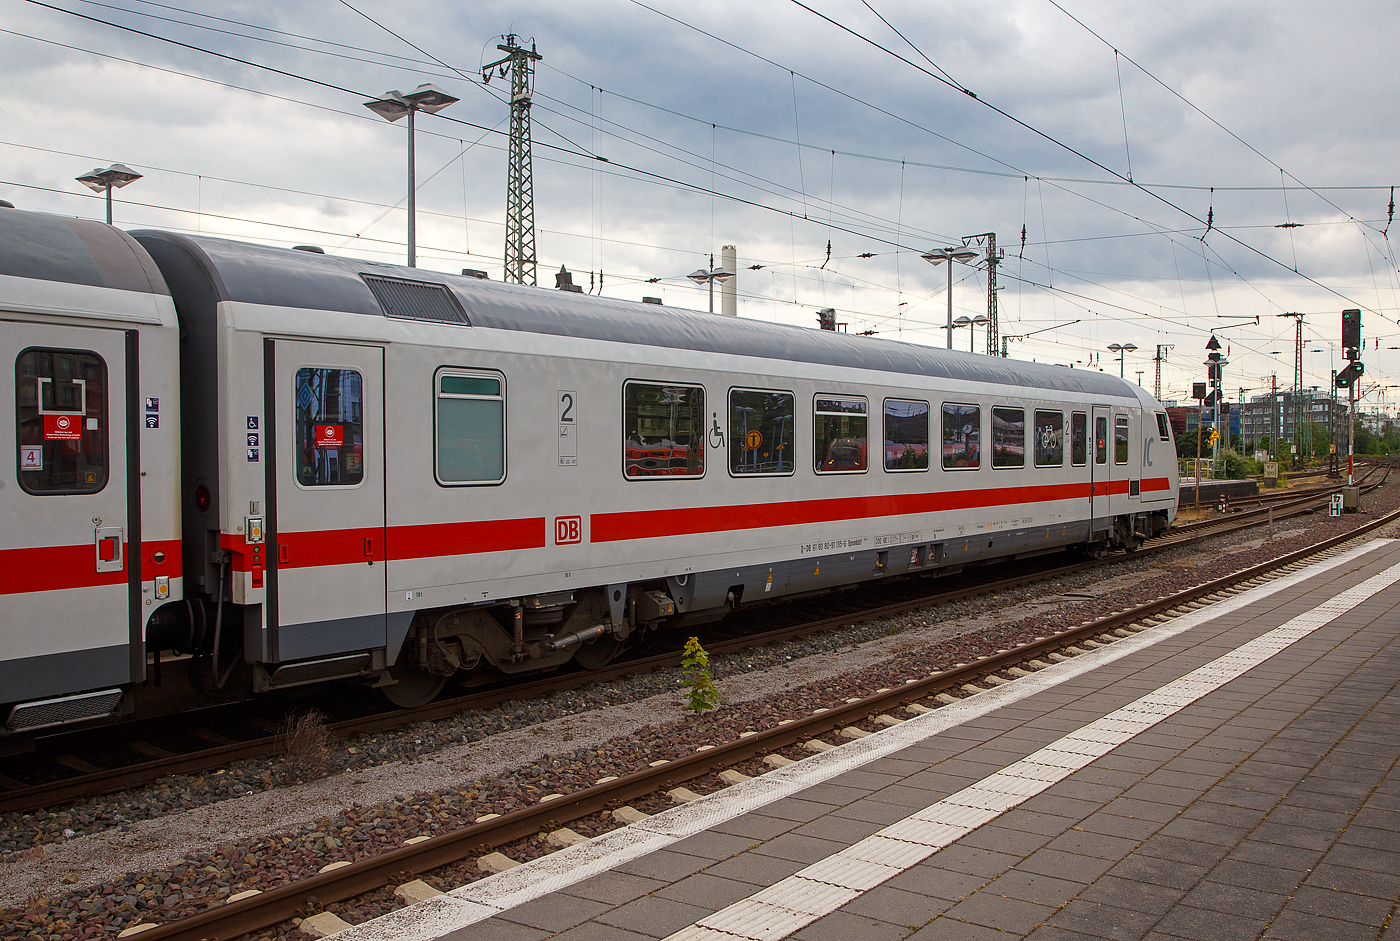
(475,273)
(314,249)
(651,300)
(416,300)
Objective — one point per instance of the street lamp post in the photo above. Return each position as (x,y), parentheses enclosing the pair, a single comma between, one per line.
(1121,349)
(99,180)
(966,321)
(939,256)
(393,106)
(710,276)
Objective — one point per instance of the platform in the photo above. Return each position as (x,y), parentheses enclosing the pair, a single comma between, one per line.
(1231,773)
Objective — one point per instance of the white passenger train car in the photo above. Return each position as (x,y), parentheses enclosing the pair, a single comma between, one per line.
(397,475)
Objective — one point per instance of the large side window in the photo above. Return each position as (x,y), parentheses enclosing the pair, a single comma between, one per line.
(760,432)
(1120,439)
(1100,440)
(839,434)
(962,436)
(663,427)
(1008,437)
(471,427)
(61,420)
(329,431)
(906,435)
(1049,439)
(1079,439)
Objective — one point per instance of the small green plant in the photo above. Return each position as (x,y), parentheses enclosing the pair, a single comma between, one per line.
(696,664)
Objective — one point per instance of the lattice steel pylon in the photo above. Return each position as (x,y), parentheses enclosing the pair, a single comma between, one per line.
(1297,404)
(519,63)
(1159,359)
(993,257)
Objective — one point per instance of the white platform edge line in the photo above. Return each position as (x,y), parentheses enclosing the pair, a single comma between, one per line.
(535,879)
(1262,650)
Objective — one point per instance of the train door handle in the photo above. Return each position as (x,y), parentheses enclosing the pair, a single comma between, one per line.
(369,547)
(109,548)
(284,553)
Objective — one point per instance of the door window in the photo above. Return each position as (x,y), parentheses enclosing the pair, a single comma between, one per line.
(61,421)
(1100,440)
(329,431)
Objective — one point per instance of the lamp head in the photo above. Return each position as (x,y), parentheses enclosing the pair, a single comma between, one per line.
(391,107)
(962,321)
(117,175)
(699,276)
(430,98)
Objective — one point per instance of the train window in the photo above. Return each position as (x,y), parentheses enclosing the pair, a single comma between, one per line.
(1120,439)
(962,436)
(1049,439)
(1163,429)
(760,433)
(839,435)
(328,433)
(61,399)
(906,435)
(470,428)
(1008,437)
(1079,439)
(1100,440)
(664,428)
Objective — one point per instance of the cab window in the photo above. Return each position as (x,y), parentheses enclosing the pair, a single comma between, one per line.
(1120,439)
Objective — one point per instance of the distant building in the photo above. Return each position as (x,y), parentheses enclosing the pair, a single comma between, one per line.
(1266,415)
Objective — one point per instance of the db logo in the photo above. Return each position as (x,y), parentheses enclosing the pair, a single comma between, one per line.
(568,530)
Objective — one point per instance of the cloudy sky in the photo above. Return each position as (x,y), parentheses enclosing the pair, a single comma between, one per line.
(1096,140)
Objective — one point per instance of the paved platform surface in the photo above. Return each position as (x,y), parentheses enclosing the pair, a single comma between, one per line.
(1231,774)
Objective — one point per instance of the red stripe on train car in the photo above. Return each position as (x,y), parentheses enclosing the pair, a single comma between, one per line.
(649,524)
(441,539)
(54,568)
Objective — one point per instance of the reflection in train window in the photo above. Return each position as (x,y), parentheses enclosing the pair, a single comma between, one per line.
(1120,439)
(962,436)
(1049,439)
(1079,439)
(1008,437)
(906,435)
(663,430)
(328,435)
(471,428)
(62,421)
(839,434)
(760,433)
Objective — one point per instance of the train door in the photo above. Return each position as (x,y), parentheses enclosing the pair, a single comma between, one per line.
(1099,469)
(327,570)
(70,540)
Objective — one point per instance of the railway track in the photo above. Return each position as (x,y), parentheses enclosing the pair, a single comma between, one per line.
(89,781)
(280,905)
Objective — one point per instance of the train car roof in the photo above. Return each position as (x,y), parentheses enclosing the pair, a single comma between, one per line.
(74,251)
(258,274)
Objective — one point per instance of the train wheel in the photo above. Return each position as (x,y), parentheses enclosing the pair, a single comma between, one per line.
(414,687)
(596,654)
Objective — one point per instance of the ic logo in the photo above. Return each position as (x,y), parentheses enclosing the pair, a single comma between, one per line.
(568,530)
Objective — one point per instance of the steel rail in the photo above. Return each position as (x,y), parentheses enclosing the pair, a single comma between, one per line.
(286,902)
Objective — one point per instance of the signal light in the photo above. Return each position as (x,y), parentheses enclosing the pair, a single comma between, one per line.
(1351,375)
(1351,329)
